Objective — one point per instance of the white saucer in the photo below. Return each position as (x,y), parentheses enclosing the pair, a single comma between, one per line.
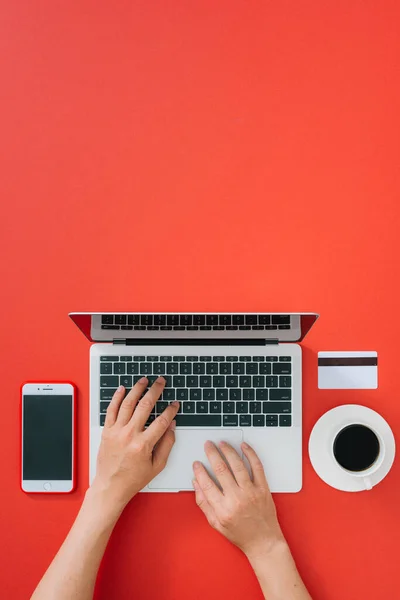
(321,442)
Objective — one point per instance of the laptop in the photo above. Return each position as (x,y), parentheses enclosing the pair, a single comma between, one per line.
(237,376)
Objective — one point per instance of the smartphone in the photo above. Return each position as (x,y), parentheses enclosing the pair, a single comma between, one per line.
(48,417)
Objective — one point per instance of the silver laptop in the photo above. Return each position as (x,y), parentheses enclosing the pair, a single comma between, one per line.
(238,377)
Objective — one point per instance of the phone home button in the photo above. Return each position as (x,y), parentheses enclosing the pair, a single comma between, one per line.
(47,486)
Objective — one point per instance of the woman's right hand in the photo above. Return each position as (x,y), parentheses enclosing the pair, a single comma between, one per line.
(244,511)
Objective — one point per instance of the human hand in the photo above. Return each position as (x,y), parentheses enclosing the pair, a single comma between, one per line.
(244,511)
(130,456)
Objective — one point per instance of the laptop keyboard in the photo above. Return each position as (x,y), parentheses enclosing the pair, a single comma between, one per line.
(213,391)
(224,322)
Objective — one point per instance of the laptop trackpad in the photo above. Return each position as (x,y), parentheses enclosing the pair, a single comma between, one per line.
(188,447)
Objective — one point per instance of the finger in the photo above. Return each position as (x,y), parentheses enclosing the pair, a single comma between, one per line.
(164,447)
(203,504)
(160,425)
(212,494)
(145,406)
(256,466)
(113,407)
(130,401)
(219,466)
(236,464)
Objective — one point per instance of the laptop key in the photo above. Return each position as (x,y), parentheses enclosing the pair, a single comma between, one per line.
(222,394)
(238,319)
(126,381)
(186,420)
(109,358)
(185,320)
(219,381)
(231,358)
(245,358)
(104,406)
(264,319)
(165,358)
(251,319)
(179,381)
(244,327)
(205,381)
(238,368)
(161,406)
(235,394)
(212,319)
(146,320)
(146,368)
(179,328)
(228,407)
(215,407)
(195,394)
(248,394)
(252,369)
(285,381)
(169,394)
(199,368)
(106,368)
(172,368)
(271,421)
(126,358)
(265,369)
(110,327)
(225,319)
(271,381)
(189,407)
(150,420)
(133,319)
(102,419)
(199,319)
(132,368)
(109,381)
(119,368)
(205,327)
(172,319)
(242,407)
(232,381)
(258,421)
(182,394)
(285,420)
(279,394)
(258,381)
(277,407)
(245,381)
(218,358)
(282,368)
(205,358)
(159,368)
(107,319)
(255,407)
(261,394)
(285,359)
(185,369)
(160,319)
(107,394)
(179,358)
(230,420)
(201,407)
(208,394)
(225,368)
(212,368)
(192,381)
(280,319)
(245,420)
(258,359)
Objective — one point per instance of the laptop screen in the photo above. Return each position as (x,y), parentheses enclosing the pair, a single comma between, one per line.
(107,327)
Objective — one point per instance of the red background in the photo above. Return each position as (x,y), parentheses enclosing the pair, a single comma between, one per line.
(233,155)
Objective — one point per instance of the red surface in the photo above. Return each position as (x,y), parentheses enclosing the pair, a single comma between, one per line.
(237,155)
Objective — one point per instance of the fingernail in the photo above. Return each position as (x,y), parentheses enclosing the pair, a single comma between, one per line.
(175,403)
(222,443)
(143,380)
(196,465)
(173,425)
(195,485)
(120,388)
(160,380)
(245,445)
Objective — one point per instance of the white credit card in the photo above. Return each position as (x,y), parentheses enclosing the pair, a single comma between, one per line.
(348,370)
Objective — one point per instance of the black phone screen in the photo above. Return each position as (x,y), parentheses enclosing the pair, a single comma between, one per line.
(47,437)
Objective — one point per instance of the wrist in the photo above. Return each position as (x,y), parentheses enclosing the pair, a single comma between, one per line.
(104,503)
(267,550)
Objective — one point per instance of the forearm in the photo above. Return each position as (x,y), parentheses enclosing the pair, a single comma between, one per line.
(277,573)
(72,574)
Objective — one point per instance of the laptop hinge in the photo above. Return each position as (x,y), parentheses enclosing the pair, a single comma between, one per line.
(194,342)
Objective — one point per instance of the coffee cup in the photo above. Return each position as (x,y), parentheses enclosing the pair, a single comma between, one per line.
(359,450)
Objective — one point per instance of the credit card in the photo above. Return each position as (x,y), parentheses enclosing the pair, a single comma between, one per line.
(356,370)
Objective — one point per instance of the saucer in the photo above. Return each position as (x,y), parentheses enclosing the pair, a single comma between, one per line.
(321,443)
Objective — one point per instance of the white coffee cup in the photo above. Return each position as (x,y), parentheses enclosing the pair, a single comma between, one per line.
(365,474)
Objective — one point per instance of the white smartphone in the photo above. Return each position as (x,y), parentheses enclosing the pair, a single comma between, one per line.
(48,417)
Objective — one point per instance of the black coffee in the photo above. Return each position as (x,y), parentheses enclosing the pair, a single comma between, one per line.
(356,448)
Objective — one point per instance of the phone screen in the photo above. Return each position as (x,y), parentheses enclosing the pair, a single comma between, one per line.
(47,437)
